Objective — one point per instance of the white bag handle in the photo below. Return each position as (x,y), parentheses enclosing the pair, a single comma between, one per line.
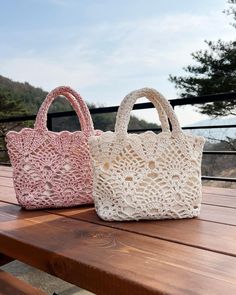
(159,101)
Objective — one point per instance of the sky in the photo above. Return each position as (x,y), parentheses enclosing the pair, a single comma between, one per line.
(106,48)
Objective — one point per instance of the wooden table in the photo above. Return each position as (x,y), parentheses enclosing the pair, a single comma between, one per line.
(195,256)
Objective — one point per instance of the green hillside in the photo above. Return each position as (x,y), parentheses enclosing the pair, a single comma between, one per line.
(29,96)
(22,98)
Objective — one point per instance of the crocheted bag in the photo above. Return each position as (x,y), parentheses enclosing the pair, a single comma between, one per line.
(53,169)
(148,175)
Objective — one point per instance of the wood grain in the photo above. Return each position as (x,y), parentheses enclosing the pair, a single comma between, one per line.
(110,261)
(198,233)
(9,285)
(4,173)
(193,232)
(7,194)
(219,191)
(6,168)
(6,181)
(218,214)
(219,200)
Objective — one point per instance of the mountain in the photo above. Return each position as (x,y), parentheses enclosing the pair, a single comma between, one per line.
(216,134)
(220,139)
(31,98)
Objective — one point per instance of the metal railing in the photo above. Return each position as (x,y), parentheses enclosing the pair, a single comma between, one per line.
(231,96)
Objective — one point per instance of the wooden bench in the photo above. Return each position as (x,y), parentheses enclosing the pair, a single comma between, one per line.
(9,285)
(191,256)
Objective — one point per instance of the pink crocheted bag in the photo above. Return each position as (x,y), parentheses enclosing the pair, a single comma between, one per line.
(53,169)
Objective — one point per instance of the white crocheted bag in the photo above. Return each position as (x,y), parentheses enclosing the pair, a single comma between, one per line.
(148,175)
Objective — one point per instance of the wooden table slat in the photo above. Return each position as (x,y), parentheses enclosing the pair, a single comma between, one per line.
(6,181)
(193,232)
(218,214)
(219,200)
(219,191)
(5,168)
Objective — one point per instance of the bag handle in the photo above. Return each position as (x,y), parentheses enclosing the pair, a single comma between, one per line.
(126,106)
(77,103)
(165,127)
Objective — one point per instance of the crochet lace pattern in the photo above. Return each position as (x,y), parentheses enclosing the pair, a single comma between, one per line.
(148,175)
(53,169)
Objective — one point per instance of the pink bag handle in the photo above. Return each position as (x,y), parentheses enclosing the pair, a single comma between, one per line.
(123,114)
(77,103)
